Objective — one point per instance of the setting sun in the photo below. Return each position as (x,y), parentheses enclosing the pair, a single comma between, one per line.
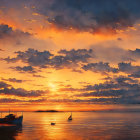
(52,87)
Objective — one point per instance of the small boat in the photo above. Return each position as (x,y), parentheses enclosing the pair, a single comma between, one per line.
(70,117)
(12,119)
(52,123)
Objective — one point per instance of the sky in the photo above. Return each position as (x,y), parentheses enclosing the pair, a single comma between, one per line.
(69,54)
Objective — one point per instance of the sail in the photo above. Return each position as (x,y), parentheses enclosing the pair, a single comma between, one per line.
(70,117)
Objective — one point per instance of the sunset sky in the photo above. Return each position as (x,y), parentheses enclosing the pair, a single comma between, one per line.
(69,54)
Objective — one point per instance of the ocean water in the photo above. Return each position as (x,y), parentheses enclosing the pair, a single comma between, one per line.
(84,126)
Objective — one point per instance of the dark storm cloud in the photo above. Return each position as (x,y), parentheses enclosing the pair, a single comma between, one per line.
(12,37)
(3,85)
(101,100)
(83,15)
(133,71)
(46,59)
(100,67)
(128,68)
(66,57)
(135,75)
(119,83)
(20,92)
(10,100)
(14,80)
(101,86)
(108,93)
(77,55)
(122,79)
(6,31)
(72,59)
(124,90)
(31,56)
(29,69)
(116,83)
(116,96)
(90,15)
(135,53)
(116,90)
(6,89)
(105,68)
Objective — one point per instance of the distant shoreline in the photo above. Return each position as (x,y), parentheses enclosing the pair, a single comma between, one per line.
(109,110)
(47,111)
(55,111)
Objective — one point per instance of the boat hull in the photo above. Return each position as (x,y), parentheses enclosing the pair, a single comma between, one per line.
(17,121)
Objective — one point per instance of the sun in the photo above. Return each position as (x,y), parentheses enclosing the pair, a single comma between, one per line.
(52,86)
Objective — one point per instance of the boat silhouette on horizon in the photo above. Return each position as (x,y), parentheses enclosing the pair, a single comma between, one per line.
(70,117)
(12,119)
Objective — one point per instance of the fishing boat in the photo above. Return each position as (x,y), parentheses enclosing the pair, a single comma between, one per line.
(70,117)
(12,119)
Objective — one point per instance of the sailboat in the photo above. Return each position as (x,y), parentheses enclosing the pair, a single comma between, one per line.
(70,117)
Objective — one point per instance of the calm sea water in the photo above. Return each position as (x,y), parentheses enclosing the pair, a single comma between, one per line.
(84,126)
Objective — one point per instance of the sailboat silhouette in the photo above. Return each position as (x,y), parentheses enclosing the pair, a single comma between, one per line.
(70,117)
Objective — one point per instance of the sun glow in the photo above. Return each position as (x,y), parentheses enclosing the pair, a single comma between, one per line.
(52,87)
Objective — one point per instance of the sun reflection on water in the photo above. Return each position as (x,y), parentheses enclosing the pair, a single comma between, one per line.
(84,126)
